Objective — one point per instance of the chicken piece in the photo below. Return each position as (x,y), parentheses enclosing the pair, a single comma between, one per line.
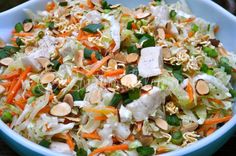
(150,62)
(69,48)
(161,14)
(46,47)
(61,148)
(147,104)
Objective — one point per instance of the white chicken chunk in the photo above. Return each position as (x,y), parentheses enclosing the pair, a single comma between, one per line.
(147,104)
(150,62)
(70,47)
(60,148)
(46,47)
(161,14)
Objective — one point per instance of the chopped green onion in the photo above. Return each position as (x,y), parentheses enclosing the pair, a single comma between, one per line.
(50,25)
(177,138)
(224,62)
(210,52)
(145,81)
(129,25)
(173,14)
(178,74)
(106,11)
(19,27)
(88,53)
(63,4)
(127,101)
(208,27)
(195,28)
(147,41)
(45,143)
(173,120)
(38,90)
(7,117)
(132,70)
(81,152)
(232,92)
(206,70)
(8,51)
(145,151)
(105,5)
(55,65)
(79,95)
(40,34)
(93,28)
(116,99)
(134,94)
(132,49)
(19,42)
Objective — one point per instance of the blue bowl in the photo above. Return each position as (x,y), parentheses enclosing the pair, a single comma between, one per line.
(202,8)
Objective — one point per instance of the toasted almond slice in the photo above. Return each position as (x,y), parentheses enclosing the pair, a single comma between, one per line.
(166,53)
(43,61)
(162,124)
(47,78)
(28,26)
(202,87)
(2,89)
(189,127)
(147,88)
(112,64)
(161,33)
(6,61)
(2,44)
(73,119)
(61,109)
(129,80)
(69,99)
(120,57)
(115,6)
(141,15)
(146,140)
(133,57)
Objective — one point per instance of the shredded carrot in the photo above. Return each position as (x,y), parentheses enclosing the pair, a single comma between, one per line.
(90,4)
(39,26)
(217,120)
(191,33)
(216,101)
(73,20)
(21,103)
(139,126)
(188,20)
(162,149)
(98,65)
(66,34)
(210,131)
(93,135)
(13,83)
(134,26)
(68,139)
(131,138)
(84,35)
(169,35)
(45,109)
(216,29)
(112,45)
(109,149)
(50,6)
(80,70)
(18,84)
(23,34)
(189,90)
(114,73)
(93,57)
(6,84)
(11,75)
(100,118)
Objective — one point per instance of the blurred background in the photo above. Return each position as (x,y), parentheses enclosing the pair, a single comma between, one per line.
(227,149)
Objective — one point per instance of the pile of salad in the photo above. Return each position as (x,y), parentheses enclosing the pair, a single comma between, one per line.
(84,77)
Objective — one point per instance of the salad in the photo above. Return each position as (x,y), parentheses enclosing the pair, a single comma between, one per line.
(84,77)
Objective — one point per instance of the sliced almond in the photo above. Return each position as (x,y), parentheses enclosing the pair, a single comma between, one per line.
(161,124)
(147,88)
(146,140)
(142,15)
(2,89)
(73,119)
(222,51)
(120,57)
(166,53)
(69,99)
(161,33)
(6,61)
(28,26)
(61,109)
(96,97)
(44,62)
(133,57)
(202,87)
(115,6)
(129,80)
(112,64)
(189,127)
(47,78)
(2,44)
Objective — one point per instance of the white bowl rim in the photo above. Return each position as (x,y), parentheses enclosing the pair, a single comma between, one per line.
(194,147)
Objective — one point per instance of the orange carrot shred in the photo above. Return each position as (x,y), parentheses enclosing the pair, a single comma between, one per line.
(50,6)
(11,75)
(114,73)
(93,57)
(217,120)
(216,101)
(189,90)
(109,149)
(210,131)
(23,34)
(90,4)
(100,118)
(93,135)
